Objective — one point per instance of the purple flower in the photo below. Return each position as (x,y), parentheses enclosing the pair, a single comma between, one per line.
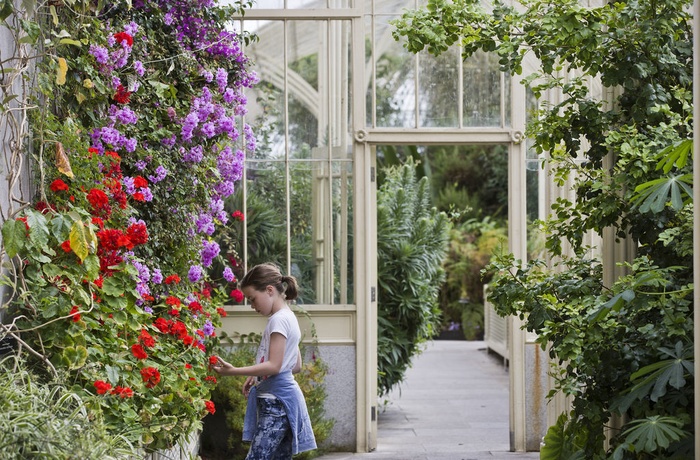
(221,79)
(195,155)
(210,249)
(208,328)
(205,224)
(148,309)
(101,54)
(129,185)
(208,76)
(131,28)
(195,273)
(208,129)
(147,194)
(228,274)
(110,136)
(138,67)
(161,172)
(140,165)
(157,276)
(126,116)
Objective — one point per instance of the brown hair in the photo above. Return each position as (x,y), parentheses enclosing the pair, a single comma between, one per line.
(264,275)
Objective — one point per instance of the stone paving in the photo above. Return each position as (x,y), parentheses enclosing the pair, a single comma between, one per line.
(453,405)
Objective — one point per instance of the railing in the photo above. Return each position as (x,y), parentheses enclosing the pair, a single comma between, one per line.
(496,329)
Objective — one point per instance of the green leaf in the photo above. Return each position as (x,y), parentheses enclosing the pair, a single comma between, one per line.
(92,266)
(75,356)
(652,432)
(113,287)
(79,240)
(6,9)
(14,235)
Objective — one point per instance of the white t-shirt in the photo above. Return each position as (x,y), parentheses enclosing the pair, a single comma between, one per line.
(285,323)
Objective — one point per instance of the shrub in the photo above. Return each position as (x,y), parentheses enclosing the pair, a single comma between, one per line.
(41,419)
(411,247)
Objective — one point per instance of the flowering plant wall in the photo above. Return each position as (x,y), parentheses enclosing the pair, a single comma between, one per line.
(138,141)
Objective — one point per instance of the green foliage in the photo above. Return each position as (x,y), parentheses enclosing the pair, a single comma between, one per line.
(412,243)
(115,92)
(621,349)
(231,403)
(40,419)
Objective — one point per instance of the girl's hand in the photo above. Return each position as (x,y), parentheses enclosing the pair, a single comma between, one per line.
(249,382)
(223,368)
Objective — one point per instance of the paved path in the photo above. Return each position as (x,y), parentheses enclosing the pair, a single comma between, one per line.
(453,405)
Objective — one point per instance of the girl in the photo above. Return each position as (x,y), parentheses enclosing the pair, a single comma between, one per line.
(280,427)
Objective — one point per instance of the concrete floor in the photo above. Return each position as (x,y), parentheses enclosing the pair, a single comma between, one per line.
(452,405)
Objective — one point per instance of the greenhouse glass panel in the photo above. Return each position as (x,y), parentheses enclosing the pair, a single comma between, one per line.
(395,78)
(300,4)
(438,89)
(266,213)
(310,225)
(342,232)
(483,91)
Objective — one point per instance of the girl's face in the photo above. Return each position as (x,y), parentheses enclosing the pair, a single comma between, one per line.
(260,301)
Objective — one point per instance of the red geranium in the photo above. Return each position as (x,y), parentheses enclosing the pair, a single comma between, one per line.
(237,295)
(123,36)
(138,351)
(123,392)
(102,387)
(210,406)
(195,307)
(100,202)
(75,316)
(58,185)
(146,339)
(151,376)
(163,325)
(172,279)
(238,215)
(221,311)
(173,301)
(66,246)
(122,95)
(140,182)
(137,233)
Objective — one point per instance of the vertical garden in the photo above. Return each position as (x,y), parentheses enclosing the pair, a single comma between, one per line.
(129,114)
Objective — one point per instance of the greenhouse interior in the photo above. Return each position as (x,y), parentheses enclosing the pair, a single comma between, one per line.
(517,173)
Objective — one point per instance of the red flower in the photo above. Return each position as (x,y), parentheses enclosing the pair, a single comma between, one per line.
(58,185)
(221,312)
(99,281)
(174,312)
(137,233)
(178,329)
(138,196)
(238,215)
(92,151)
(210,406)
(112,239)
(210,378)
(102,387)
(188,340)
(122,95)
(188,366)
(195,307)
(172,279)
(173,301)
(138,351)
(75,316)
(99,222)
(140,182)
(99,201)
(146,339)
(163,325)
(151,376)
(123,392)
(66,246)
(123,36)
(237,295)
(112,154)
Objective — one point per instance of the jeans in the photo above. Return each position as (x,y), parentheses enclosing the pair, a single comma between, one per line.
(273,436)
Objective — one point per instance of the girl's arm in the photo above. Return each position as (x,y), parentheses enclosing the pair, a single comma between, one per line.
(270,367)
